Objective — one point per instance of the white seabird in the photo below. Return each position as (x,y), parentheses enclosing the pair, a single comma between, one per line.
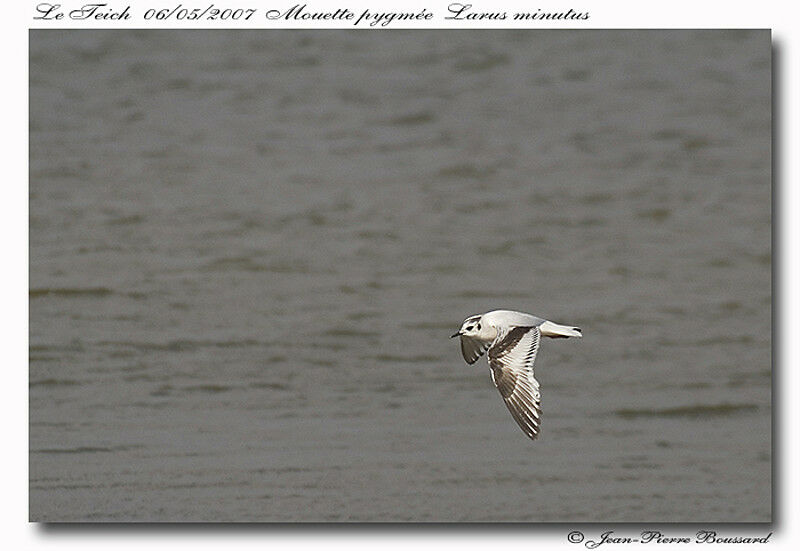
(512,340)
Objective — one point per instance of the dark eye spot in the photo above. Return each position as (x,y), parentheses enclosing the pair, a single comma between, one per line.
(469,328)
(479,327)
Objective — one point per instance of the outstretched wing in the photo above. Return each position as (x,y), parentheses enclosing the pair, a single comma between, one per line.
(472,349)
(511,361)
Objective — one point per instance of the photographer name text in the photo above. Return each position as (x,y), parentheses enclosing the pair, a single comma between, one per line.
(656,537)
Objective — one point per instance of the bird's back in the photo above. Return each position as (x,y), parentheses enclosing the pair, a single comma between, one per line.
(506,318)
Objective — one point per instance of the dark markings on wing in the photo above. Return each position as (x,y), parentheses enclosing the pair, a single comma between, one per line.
(511,361)
(472,349)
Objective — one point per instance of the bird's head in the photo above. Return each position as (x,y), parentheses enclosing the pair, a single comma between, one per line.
(474,329)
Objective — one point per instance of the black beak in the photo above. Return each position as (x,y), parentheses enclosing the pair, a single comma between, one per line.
(457,334)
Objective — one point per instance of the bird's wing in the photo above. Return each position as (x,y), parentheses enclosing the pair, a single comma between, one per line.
(511,361)
(472,349)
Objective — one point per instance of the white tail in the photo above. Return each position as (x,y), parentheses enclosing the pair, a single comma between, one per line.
(556,331)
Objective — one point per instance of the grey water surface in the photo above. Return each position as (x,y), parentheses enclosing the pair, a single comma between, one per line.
(248,250)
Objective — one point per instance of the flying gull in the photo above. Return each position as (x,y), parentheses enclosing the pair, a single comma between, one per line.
(512,340)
